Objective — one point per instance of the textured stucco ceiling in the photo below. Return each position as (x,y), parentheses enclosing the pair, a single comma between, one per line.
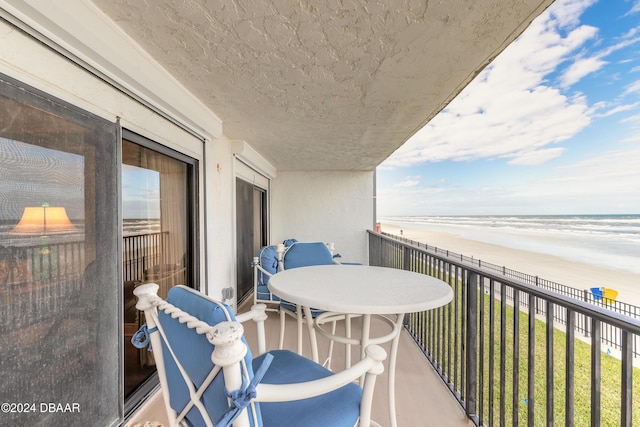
(331,85)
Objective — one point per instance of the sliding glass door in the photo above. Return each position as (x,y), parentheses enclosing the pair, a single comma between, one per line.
(158,209)
(60,267)
(251,231)
(69,261)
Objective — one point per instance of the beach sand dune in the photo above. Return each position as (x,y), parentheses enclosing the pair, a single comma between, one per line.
(556,269)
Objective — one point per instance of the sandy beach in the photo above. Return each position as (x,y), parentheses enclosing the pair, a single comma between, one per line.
(570,273)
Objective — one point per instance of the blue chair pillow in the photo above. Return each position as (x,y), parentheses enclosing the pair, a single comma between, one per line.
(306,254)
(268,260)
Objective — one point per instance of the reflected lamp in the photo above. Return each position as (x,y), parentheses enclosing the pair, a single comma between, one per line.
(44,220)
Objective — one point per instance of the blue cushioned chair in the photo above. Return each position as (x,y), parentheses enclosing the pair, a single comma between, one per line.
(208,377)
(301,254)
(265,265)
(290,254)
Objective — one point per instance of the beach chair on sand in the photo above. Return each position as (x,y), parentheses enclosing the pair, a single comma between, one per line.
(208,376)
(609,295)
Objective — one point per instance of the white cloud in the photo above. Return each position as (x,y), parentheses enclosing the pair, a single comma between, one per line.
(581,68)
(536,157)
(634,119)
(635,8)
(410,181)
(617,109)
(633,88)
(611,174)
(631,138)
(608,183)
(508,110)
(605,182)
(566,13)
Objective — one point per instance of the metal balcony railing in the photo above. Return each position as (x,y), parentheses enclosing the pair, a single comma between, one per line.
(513,353)
(142,251)
(610,336)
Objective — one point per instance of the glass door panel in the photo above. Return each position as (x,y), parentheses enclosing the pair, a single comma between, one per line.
(59,263)
(156,206)
(251,232)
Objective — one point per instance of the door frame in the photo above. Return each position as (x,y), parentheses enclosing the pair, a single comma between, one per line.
(260,180)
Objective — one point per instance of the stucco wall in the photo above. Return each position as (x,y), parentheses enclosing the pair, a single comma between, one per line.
(219,220)
(324,206)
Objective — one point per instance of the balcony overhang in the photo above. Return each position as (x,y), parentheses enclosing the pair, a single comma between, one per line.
(308,85)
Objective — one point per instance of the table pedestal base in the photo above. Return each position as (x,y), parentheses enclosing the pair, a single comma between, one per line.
(363,342)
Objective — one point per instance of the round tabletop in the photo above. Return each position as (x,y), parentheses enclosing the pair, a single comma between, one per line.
(360,289)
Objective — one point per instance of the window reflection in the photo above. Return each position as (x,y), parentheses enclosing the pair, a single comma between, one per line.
(51,279)
(155,230)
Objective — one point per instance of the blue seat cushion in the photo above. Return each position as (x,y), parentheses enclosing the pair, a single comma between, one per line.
(339,408)
(194,353)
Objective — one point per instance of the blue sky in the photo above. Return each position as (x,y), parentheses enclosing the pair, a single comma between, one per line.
(552,126)
(140,193)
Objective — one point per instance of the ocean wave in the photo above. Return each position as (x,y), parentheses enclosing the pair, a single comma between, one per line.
(627,226)
(608,240)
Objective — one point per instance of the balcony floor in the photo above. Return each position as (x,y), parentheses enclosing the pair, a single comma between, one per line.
(422,399)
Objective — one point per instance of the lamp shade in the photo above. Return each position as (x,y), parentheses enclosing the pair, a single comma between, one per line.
(43,220)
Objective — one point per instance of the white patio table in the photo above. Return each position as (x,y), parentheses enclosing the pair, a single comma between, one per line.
(361,290)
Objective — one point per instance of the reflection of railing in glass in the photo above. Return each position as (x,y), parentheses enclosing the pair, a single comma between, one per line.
(142,251)
(26,271)
(146,259)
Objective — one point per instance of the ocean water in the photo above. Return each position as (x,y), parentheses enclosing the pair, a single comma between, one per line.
(611,241)
(131,227)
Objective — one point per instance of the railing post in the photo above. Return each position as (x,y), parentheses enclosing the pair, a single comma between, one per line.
(471,350)
(537,300)
(626,416)
(596,373)
(407,259)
